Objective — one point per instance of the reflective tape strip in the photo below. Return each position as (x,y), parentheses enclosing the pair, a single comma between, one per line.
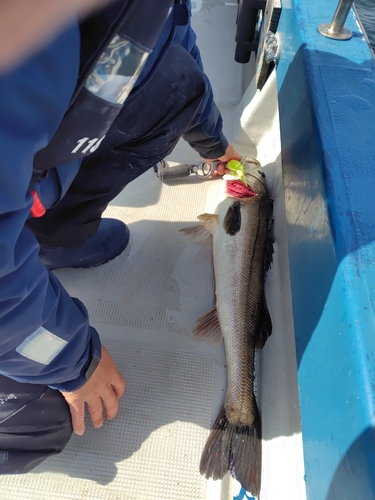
(41,346)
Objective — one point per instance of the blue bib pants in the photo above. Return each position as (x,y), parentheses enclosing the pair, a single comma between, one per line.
(153,119)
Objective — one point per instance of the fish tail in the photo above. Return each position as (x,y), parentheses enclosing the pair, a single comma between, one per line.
(234,448)
(246,456)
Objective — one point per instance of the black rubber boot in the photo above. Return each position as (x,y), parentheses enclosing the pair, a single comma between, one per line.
(107,243)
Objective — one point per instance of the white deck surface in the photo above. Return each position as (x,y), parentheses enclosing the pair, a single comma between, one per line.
(145,304)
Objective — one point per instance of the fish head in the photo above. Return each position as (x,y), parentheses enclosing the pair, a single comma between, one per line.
(248,179)
(254,175)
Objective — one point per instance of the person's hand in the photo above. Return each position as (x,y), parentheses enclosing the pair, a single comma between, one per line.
(101,392)
(230,154)
(28,25)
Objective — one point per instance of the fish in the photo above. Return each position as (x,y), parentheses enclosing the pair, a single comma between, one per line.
(242,255)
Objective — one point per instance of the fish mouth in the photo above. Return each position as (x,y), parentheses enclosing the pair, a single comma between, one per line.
(237,189)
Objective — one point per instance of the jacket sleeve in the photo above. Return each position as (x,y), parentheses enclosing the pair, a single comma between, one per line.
(205,133)
(45,336)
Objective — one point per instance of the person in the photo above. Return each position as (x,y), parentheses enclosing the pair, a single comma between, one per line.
(81,117)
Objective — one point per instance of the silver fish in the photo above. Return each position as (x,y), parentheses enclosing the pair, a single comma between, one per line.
(243,249)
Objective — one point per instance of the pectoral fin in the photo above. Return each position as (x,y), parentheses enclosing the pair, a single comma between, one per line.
(232,219)
(208,328)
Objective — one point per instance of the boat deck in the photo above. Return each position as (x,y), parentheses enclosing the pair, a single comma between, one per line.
(145,304)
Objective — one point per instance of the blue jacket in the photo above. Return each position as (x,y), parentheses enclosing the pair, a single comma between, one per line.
(45,335)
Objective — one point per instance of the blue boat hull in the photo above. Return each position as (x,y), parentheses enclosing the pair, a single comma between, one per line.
(326,101)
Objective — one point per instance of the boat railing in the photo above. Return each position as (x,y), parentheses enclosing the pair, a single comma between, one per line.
(337,29)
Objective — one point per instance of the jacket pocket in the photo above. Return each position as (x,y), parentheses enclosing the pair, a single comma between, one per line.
(52,188)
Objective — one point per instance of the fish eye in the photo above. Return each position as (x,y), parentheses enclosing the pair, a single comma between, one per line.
(261,173)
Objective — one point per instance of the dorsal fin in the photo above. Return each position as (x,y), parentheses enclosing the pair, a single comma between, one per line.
(264,326)
(268,250)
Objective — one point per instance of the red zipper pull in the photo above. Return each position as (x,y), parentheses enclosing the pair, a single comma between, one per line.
(38,209)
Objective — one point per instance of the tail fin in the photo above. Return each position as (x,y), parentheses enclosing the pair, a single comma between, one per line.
(234,448)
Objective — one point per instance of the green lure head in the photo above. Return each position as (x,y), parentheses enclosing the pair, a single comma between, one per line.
(237,170)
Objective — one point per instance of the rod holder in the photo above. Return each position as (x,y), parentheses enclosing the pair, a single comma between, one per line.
(336,29)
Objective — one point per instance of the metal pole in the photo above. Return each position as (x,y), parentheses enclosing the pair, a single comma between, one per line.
(336,29)
(340,16)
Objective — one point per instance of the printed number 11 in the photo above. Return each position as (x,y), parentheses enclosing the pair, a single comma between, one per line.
(91,146)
